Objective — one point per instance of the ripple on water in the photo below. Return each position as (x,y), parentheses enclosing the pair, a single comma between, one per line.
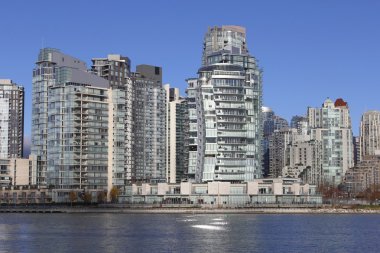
(219,223)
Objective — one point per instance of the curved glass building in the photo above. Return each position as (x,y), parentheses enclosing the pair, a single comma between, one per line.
(228,107)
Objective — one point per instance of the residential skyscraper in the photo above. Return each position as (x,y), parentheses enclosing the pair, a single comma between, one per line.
(228,101)
(300,123)
(278,143)
(11,119)
(271,123)
(331,125)
(191,91)
(116,69)
(303,159)
(370,134)
(356,143)
(71,118)
(149,125)
(177,136)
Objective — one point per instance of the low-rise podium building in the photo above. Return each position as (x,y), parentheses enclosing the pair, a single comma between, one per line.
(259,191)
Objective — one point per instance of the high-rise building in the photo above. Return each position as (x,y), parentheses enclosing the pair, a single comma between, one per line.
(149,125)
(116,69)
(331,125)
(304,159)
(278,143)
(228,106)
(176,136)
(11,119)
(370,134)
(356,144)
(300,123)
(191,91)
(271,122)
(365,175)
(70,127)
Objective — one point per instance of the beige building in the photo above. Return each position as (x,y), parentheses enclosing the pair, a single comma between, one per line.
(304,160)
(15,172)
(19,171)
(259,191)
(364,175)
(24,195)
(176,136)
(331,125)
(370,134)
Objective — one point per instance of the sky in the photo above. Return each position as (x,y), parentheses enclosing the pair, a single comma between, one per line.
(308,50)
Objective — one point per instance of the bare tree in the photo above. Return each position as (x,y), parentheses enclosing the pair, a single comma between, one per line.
(114,194)
(101,197)
(87,197)
(73,196)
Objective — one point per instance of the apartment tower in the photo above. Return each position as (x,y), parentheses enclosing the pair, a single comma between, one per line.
(228,98)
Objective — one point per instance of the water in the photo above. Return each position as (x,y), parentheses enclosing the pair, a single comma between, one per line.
(189,233)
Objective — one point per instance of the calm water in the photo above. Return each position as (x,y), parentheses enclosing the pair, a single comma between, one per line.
(187,233)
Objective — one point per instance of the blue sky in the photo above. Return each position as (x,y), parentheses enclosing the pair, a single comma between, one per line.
(308,50)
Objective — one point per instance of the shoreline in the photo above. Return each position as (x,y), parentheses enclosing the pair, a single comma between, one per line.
(70,210)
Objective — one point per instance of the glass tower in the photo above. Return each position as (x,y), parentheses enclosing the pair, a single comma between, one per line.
(149,125)
(70,117)
(228,102)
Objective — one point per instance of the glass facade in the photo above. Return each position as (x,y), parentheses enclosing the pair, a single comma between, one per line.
(228,99)
(191,91)
(116,69)
(70,117)
(77,138)
(331,125)
(149,125)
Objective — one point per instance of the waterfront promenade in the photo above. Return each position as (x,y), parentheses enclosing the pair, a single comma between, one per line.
(178,210)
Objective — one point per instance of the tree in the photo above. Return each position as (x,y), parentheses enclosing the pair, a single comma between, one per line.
(372,193)
(114,194)
(87,197)
(73,196)
(101,197)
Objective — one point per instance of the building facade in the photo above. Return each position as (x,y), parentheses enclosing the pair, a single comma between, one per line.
(11,119)
(331,125)
(191,91)
(304,160)
(271,122)
(149,125)
(260,192)
(356,143)
(370,134)
(365,175)
(70,127)
(177,125)
(117,70)
(228,105)
(14,172)
(278,143)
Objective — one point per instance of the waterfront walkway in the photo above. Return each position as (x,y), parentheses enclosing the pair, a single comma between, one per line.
(190,210)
